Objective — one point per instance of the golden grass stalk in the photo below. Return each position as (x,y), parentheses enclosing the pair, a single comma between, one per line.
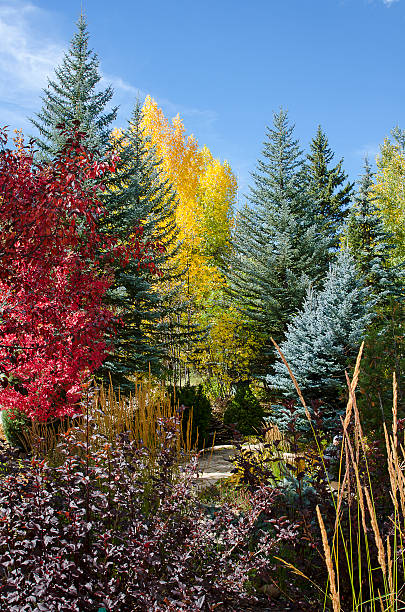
(329,565)
(381,602)
(359,491)
(40,438)
(353,386)
(395,409)
(390,558)
(292,378)
(111,414)
(341,494)
(390,577)
(377,535)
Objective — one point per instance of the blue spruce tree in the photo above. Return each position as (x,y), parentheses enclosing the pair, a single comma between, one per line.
(322,340)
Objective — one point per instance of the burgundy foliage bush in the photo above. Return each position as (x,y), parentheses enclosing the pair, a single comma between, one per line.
(103,528)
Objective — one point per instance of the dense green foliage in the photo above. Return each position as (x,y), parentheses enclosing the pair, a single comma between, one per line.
(14,424)
(384,355)
(244,411)
(278,247)
(369,243)
(327,187)
(373,251)
(193,402)
(138,193)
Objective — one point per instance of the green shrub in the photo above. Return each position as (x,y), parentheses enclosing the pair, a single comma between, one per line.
(244,411)
(193,398)
(21,432)
(14,424)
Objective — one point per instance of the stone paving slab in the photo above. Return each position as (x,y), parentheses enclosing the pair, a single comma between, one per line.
(215,463)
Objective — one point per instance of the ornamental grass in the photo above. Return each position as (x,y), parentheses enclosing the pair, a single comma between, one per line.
(363,548)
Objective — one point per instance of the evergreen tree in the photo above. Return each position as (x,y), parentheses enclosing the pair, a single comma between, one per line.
(324,336)
(370,244)
(278,249)
(328,188)
(244,411)
(373,251)
(138,193)
(73,96)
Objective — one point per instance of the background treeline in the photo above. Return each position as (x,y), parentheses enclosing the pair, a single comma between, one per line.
(312,261)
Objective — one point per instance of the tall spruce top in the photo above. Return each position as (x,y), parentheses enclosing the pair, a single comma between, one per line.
(278,250)
(277,175)
(73,95)
(328,188)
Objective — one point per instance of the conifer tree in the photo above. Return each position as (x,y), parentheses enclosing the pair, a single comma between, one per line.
(138,192)
(327,187)
(370,243)
(73,95)
(374,251)
(278,249)
(324,337)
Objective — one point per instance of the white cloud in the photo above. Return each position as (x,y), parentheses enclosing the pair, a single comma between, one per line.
(389,2)
(357,157)
(370,150)
(28,55)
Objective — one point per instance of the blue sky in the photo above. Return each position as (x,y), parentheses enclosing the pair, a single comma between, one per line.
(225,66)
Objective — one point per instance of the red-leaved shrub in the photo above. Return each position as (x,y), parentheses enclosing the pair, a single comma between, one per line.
(53,276)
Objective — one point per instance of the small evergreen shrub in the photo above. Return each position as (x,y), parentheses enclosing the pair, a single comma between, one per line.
(193,399)
(244,411)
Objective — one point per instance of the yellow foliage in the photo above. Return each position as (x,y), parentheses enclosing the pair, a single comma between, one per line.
(206,191)
(226,355)
(216,195)
(390,191)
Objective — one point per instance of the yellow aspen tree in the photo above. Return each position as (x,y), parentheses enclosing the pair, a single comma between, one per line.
(227,354)
(216,195)
(206,190)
